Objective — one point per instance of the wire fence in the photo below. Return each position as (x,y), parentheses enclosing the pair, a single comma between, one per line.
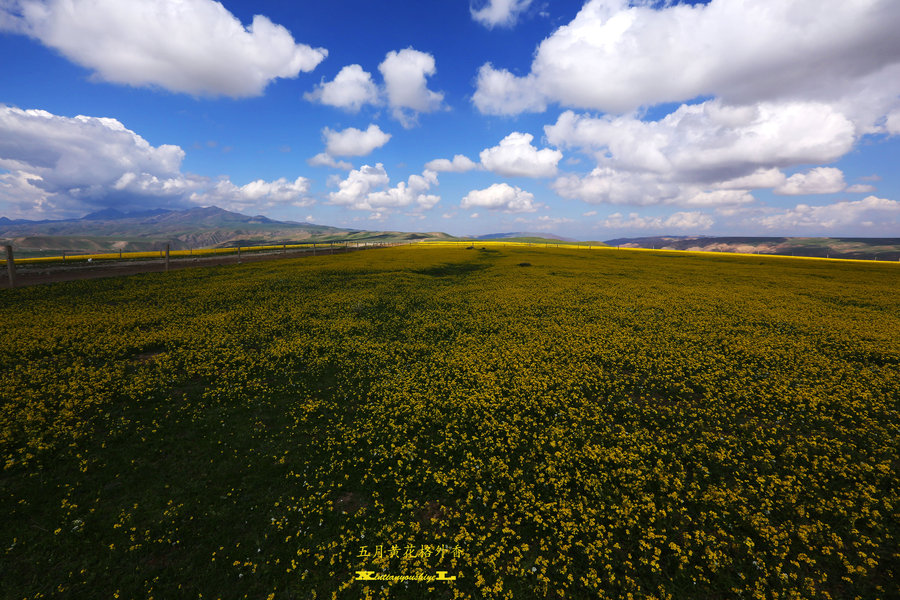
(164,256)
(75,257)
(73,265)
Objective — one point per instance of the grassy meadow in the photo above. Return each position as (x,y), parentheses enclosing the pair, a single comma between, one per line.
(535,422)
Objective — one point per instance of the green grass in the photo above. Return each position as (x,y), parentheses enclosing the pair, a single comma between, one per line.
(592,424)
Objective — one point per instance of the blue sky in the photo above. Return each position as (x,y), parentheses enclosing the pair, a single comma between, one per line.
(591,120)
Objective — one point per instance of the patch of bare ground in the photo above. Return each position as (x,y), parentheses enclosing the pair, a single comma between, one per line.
(350,502)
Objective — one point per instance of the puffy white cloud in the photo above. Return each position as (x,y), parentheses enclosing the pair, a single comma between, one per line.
(500,196)
(356,187)
(255,195)
(712,140)
(605,185)
(80,160)
(892,122)
(80,148)
(191,46)
(515,156)
(703,154)
(499,13)
(821,180)
(404,74)
(21,198)
(831,216)
(405,87)
(499,92)
(361,190)
(354,142)
(546,222)
(715,198)
(860,188)
(761,178)
(799,84)
(406,194)
(689,220)
(459,164)
(680,220)
(351,88)
(323,159)
(617,55)
(67,166)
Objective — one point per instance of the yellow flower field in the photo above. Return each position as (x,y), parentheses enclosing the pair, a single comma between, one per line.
(447,421)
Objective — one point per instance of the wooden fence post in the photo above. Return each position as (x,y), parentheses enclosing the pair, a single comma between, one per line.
(314,248)
(284,248)
(11,266)
(239,254)
(167,258)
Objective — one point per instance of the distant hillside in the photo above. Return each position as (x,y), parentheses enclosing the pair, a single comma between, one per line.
(520,234)
(854,248)
(210,227)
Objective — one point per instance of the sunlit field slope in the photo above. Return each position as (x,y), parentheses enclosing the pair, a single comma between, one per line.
(536,422)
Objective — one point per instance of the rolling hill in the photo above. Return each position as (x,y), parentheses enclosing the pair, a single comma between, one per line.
(210,227)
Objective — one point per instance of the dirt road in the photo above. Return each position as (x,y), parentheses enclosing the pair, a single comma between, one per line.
(36,274)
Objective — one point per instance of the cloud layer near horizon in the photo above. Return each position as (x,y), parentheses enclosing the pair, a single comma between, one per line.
(66,166)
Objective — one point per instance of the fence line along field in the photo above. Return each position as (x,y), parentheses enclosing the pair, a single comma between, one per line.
(498,422)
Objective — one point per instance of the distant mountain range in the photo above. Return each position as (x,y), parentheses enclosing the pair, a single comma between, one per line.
(855,248)
(111,230)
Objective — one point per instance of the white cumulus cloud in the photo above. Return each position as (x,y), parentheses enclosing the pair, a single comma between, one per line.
(832,216)
(351,88)
(256,195)
(63,167)
(516,156)
(618,55)
(499,13)
(409,193)
(500,196)
(697,153)
(364,189)
(712,140)
(323,159)
(353,190)
(191,46)
(761,178)
(681,220)
(354,142)
(892,122)
(821,180)
(499,92)
(459,164)
(605,185)
(78,161)
(406,86)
